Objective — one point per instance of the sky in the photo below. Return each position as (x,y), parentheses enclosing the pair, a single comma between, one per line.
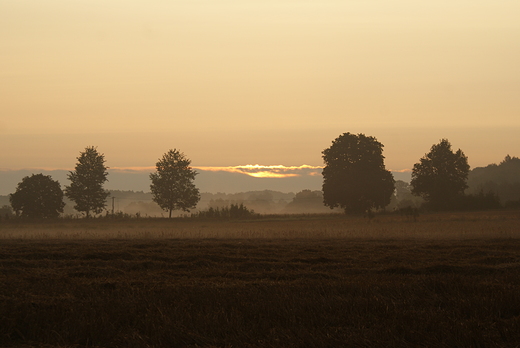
(244,82)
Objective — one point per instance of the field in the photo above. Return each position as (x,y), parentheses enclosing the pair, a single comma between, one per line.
(447,280)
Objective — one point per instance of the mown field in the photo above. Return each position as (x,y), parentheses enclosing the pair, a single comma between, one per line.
(447,280)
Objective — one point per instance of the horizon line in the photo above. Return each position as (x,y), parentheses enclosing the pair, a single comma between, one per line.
(238,168)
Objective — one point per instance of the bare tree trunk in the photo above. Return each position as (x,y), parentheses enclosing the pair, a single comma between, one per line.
(170,214)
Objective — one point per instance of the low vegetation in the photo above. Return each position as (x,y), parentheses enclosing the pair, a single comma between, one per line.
(234,211)
(446,280)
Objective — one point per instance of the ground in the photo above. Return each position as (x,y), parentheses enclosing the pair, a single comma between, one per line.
(321,281)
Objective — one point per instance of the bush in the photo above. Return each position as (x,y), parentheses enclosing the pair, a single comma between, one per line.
(480,201)
(6,212)
(234,211)
(513,204)
(473,202)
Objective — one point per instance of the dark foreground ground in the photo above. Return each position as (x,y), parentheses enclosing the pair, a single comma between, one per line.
(298,292)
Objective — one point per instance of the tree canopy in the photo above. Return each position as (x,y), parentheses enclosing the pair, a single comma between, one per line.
(354,176)
(38,196)
(440,176)
(86,187)
(172,184)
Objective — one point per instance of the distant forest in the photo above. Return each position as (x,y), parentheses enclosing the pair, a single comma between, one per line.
(502,179)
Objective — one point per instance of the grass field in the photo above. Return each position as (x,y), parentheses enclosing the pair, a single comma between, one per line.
(447,280)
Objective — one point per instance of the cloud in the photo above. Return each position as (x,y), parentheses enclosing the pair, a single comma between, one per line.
(255,170)
(266,174)
(266,171)
(401,171)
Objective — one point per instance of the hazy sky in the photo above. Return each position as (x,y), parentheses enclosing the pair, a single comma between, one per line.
(256,81)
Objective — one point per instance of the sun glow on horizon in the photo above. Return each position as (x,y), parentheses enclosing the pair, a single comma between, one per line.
(266,171)
(271,175)
(254,170)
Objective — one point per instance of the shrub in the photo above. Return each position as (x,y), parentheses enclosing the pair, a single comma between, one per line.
(234,211)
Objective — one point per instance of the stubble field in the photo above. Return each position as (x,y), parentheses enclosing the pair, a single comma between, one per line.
(316,281)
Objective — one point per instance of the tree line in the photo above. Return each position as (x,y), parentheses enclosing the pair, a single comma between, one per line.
(354,179)
(39,196)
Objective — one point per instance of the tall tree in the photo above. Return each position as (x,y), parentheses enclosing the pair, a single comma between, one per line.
(172,184)
(86,187)
(38,196)
(354,176)
(440,176)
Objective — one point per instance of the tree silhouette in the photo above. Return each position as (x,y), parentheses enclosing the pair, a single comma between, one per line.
(354,177)
(502,179)
(86,188)
(440,176)
(38,196)
(172,184)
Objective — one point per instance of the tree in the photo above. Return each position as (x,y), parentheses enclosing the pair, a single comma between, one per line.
(502,179)
(440,176)
(172,184)
(354,176)
(86,188)
(38,196)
